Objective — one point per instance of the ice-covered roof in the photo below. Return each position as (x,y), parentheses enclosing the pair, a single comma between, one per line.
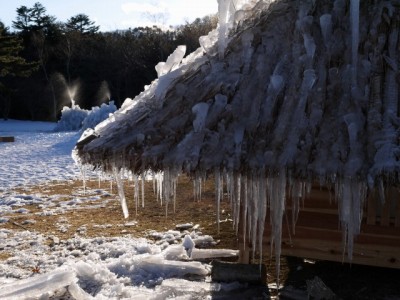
(284,91)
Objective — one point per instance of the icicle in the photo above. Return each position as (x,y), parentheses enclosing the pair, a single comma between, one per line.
(254,211)
(228,187)
(235,196)
(198,190)
(136,191)
(237,202)
(262,212)
(221,178)
(296,194)
(120,185)
(169,187)
(218,188)
(159,180)
(245,209)
(225,11)
(174,184)
(199,185)
(154,186)
(143,177)
(351,195)
(83,173)
(355,28)
(277,208)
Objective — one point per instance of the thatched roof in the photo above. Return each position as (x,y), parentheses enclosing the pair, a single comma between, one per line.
(281,97)
(294,93)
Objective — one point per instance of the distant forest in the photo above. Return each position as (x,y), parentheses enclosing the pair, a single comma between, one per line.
(42,59)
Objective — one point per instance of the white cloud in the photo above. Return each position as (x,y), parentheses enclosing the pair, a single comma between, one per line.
(131,7)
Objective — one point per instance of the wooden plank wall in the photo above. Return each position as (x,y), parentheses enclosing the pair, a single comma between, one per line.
(318,233)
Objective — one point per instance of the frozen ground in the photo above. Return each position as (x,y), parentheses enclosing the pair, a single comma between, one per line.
(45,267)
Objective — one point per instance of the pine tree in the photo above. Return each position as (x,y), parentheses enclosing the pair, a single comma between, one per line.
(81,23)
(11,64)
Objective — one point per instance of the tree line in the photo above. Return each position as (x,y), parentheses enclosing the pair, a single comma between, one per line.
(44,63)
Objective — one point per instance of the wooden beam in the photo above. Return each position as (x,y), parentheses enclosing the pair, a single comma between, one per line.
(245,273)
(7,139)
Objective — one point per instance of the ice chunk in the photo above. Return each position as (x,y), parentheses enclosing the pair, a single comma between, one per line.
(98,114)
(325,22)
(175,252)
(184,226)
(277,83)
(223,19)
(170,268)
(200,110)
(309,44)
(172,62)
(308,80)
(207,42)
(78,293)
(182,287)
(188,244)
(198,254)
(39,285)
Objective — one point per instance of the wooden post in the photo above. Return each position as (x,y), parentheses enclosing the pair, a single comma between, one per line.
(246,273)
(7,139)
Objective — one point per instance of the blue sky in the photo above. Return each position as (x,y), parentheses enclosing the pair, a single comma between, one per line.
(117,14)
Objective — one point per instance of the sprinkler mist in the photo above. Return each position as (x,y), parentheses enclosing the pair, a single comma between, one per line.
(70,90)
(103,95)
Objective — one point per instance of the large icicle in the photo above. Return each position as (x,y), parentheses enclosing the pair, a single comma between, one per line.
(351,195)
(277,196)
(121,193)
(223,17)
(169,187)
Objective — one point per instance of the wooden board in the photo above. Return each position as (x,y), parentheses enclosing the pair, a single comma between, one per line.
(318,233)
(7,139)
(231,272)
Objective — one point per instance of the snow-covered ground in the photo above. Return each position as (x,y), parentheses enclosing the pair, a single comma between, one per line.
(38,154)
(123,267)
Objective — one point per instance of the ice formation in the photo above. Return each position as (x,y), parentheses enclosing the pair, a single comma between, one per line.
(75,118)
(282,96)
(107,268)
(172,62)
